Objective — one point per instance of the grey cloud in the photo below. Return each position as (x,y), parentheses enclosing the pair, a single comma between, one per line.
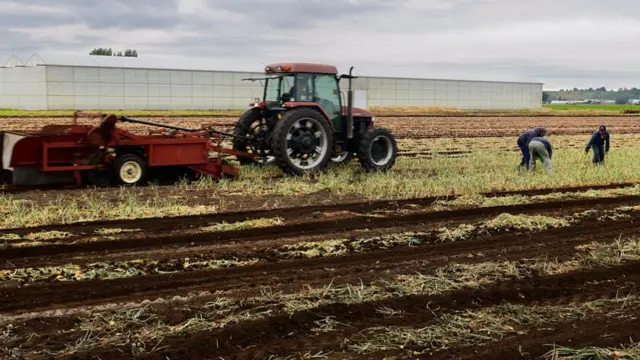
(97,14)
(341,31)
(296,14)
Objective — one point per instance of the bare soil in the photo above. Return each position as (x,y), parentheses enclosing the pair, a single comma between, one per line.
(42,320)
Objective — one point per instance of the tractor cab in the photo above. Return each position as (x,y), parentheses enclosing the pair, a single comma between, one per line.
(303,123)
(295,85)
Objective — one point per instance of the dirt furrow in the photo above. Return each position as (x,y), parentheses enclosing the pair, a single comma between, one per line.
(600,332)
(292,334)
(326,227)
(556,242)
(288,213)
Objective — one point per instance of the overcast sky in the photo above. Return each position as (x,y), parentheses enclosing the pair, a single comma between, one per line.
(563,43)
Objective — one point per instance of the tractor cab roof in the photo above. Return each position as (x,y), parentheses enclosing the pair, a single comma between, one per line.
(284,68)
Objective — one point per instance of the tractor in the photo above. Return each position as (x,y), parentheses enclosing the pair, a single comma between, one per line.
(303,125)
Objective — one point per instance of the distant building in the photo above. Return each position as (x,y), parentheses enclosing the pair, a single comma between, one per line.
(114,83)
(589,101)
(570,102)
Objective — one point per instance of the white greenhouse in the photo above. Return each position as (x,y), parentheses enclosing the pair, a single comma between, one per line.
(118,83)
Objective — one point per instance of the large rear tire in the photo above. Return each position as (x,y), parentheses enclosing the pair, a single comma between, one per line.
(377,150)
(252,124)
(302,142)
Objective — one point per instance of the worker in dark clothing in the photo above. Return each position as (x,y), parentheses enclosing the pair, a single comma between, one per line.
(600,143)
(523,143)
(540,147)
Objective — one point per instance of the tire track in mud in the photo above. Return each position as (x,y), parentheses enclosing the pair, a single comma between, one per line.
(329,228)
(556,242)
(266,251)
(421,310)
(292,213)
(287,334)
(603,332)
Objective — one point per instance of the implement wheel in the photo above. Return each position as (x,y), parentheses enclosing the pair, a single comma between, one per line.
(377,150)
(254,126)
(130,169)
(302,142)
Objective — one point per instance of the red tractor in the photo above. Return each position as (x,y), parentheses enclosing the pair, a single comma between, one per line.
(303,123)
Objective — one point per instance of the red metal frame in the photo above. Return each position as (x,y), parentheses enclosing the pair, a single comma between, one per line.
(66,147)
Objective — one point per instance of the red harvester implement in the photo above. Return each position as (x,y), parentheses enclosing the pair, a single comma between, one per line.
(106,154)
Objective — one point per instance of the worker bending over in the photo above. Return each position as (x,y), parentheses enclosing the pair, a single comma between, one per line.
(523,143)
(600,143)
(540,147)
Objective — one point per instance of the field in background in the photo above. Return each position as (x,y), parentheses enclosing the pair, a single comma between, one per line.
(591,107)
(546,110)
(454,254)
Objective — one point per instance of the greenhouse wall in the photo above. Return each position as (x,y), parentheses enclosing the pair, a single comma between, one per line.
(147,89)
(23,88)
(74,87)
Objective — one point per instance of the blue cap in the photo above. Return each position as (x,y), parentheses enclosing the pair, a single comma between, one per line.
(603,128)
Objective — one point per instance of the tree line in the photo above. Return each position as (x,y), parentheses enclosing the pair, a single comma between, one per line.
(620,95)
(110,52)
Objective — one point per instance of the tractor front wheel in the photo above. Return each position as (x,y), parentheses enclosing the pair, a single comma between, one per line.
(130,169)
(377,150)
(302,142)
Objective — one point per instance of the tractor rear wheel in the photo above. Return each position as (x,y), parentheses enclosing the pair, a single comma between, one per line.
(377,150)
(253,125)
(302,142)
(130,169)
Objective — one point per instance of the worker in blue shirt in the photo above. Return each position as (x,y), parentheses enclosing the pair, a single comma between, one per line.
(540,147)
(600,143)
(523,143)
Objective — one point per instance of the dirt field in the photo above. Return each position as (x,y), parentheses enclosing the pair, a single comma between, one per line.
(441,259)
(404,127)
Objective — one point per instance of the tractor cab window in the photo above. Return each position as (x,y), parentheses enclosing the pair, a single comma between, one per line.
(279,90)
(327,95)
(304,87)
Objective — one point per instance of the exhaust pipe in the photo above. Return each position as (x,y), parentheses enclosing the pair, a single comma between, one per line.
(350,107)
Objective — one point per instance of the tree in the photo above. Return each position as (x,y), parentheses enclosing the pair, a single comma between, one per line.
(131,53)
(545,96)
(622,99)
(101,51)
(110,52)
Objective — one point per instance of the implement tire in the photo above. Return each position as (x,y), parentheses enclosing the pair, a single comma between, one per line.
(130,169)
